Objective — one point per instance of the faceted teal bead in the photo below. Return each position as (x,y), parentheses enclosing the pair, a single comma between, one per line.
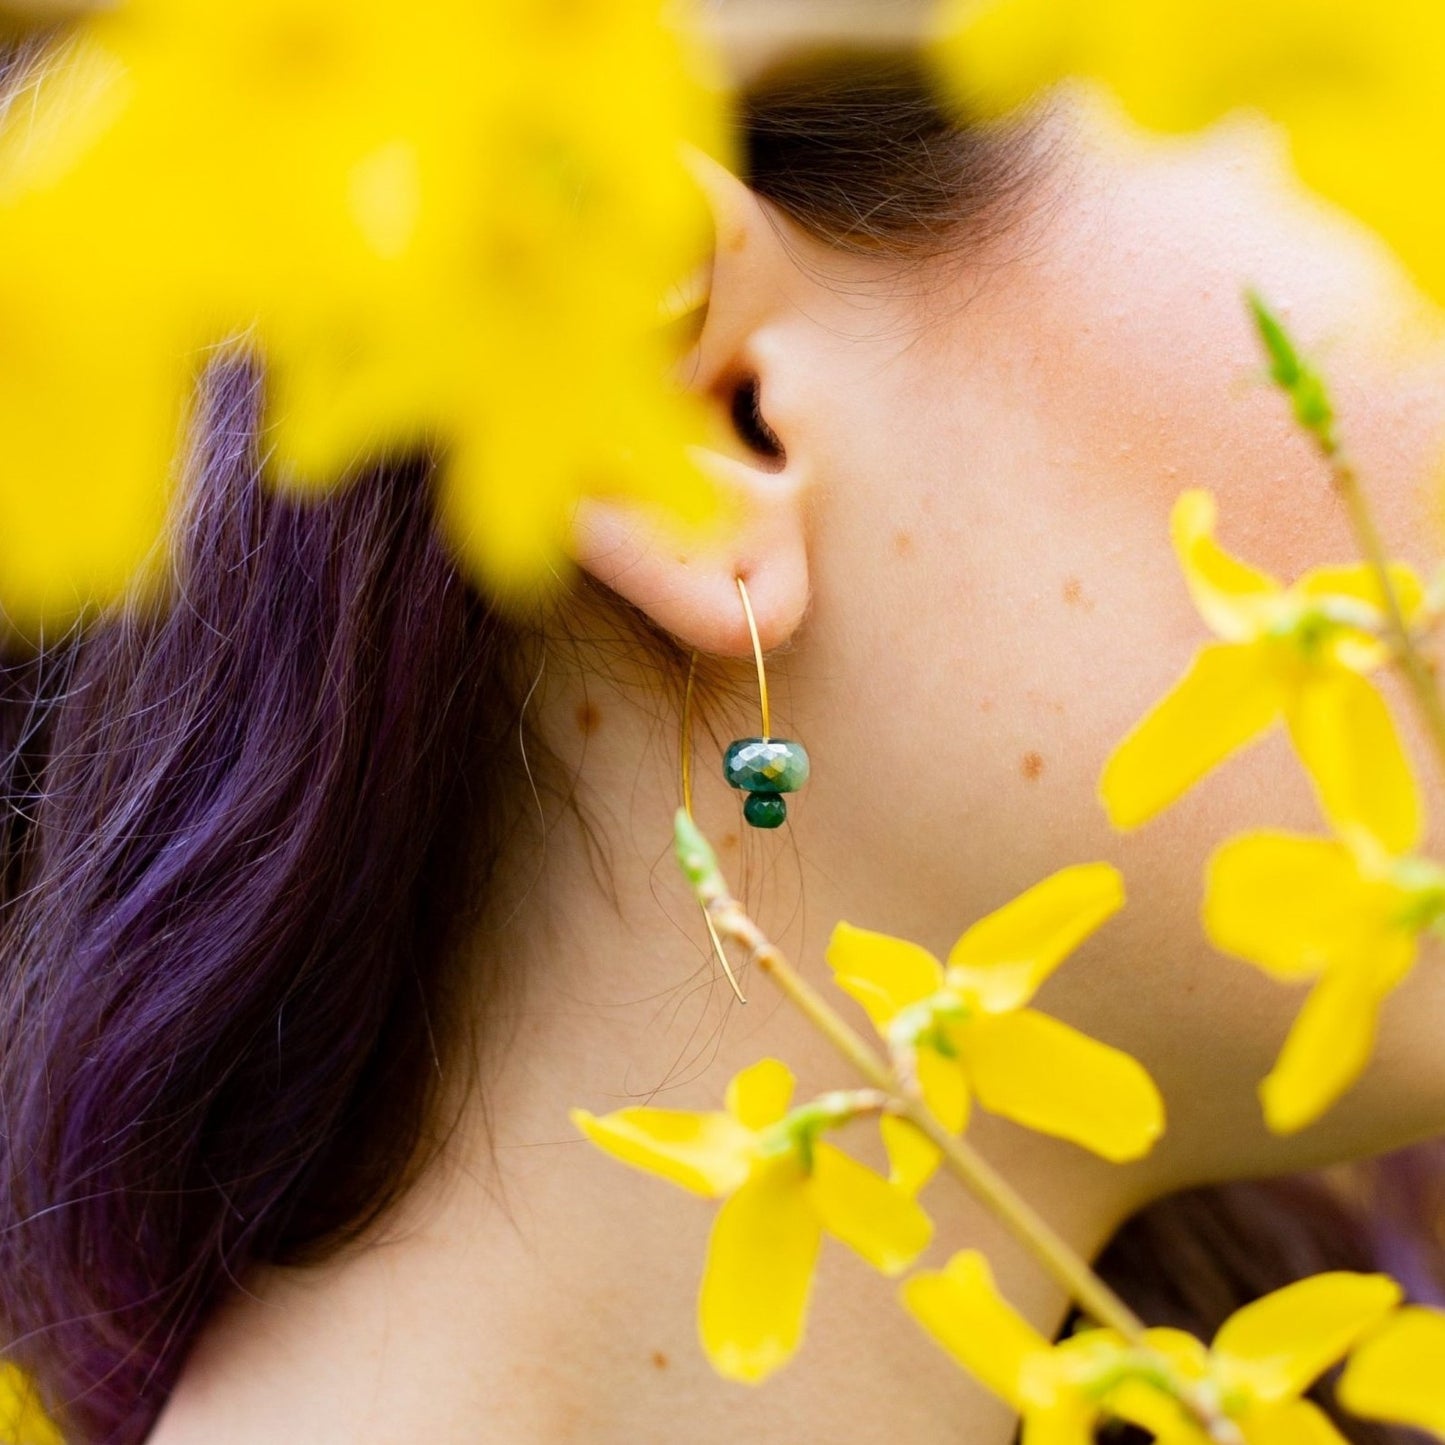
(766,765)
(765,810)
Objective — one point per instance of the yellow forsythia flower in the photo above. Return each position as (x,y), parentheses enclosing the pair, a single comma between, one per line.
(1398,1372)
(1262,1360)
(1359,89)
(1298,654)
(783,1188)
(1346,915)
(451,225)
(22,1421)
(969,1033)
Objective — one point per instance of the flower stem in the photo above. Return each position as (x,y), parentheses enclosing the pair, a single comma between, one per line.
(1315,412)
(1419,672)
(987,1185)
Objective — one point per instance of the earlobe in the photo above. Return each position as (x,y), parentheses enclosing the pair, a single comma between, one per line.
(687,585)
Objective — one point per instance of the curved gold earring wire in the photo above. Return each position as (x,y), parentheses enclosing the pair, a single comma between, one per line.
(757,658)
(685,768)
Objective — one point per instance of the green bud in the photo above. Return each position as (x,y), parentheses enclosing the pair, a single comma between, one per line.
(1294,376)
(1424,883)
(694,854)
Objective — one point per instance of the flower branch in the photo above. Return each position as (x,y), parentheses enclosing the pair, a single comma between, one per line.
(734,925)
(1315,414)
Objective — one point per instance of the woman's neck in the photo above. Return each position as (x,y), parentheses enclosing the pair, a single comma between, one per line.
(530,1289)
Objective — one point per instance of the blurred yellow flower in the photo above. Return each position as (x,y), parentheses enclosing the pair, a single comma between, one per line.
(452,227)
(966,1031)
(22,1421)
(1347,915)
(1395,1374)
(1298,653)
(1262,1360)
(783,1187)
(1359,89)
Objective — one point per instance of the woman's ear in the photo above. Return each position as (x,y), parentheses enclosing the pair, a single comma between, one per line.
(743,359)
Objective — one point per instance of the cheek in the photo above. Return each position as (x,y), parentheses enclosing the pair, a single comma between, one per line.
(1146,370)
(1166,384)
(997,603)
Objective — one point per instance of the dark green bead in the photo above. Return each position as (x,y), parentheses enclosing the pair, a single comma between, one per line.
(766,765)
(765,810)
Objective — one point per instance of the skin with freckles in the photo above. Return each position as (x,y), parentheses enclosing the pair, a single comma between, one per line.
(961,568)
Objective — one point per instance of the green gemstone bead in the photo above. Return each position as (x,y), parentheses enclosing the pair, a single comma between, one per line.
(765,810)
(766,765)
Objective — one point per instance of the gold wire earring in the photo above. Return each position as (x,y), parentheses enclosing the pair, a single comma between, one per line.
(764,768)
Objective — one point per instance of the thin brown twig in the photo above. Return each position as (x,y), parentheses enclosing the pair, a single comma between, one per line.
(992,1190)
(986,1184)
(1418,670)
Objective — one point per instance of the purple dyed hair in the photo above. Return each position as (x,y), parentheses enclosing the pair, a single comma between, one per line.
(242,837)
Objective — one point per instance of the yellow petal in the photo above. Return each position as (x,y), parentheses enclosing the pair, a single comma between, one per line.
(945,1089)
(1346,738)
(1397,1374)
(1185,1353)
(88,469)
(1297,1422)
(911,1157)
(1293,906)
(707,1153)
(1274,1348)
(1327,1048)
(883,973)
(22,1420)
(1355,88)
(1141,1404)
(1230,594)
(1161,1415)
(994,57)
(960,1306)
(1356,580)
(912,1160)
(759,1274)
(1070,1422)
(1003,958)
(880,1222)
(760,1094)
(1228,696)
(1047,1076)
(1067,1391)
